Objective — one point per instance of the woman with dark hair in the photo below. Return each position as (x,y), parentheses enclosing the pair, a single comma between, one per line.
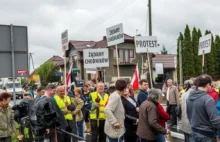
(131,116)
(114,111)
(7,124)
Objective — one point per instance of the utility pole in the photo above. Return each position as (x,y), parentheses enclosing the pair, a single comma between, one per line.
(180,62)
(150,18)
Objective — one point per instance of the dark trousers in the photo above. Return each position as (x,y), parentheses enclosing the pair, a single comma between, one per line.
(130,138)
(7,139)
(39,135)
(173,114)
(62,137)
(85,115)
(144,140)
(98,131)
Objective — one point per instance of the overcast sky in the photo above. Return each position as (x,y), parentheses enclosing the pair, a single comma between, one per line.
(88,20)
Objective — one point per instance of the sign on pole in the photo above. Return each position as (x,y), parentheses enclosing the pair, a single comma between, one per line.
(205,44)
(94,58)
(144,43)
(159,68)
(21,71)
(115,35)
(91,71)
(64,37)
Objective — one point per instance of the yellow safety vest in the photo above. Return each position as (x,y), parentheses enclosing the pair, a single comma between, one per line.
(61,104)
(102,103)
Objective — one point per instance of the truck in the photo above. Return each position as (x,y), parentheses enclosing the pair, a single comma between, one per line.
(7,84)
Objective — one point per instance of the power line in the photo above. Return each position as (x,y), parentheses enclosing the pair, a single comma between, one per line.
(107,17)
(100,17)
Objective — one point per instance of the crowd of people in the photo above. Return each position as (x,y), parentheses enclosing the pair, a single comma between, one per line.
(119,115)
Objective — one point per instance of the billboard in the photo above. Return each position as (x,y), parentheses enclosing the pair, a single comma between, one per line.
(13,50)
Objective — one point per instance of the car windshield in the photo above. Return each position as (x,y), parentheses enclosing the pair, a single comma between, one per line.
(10,85)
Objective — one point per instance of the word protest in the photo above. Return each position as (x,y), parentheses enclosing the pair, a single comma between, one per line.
(64,38)
(205,44)
(144,42)
(94,58)
(91,71)
(115,35)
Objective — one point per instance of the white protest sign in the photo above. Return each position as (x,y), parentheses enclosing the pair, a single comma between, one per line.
(144,42)
(159,68)
(64,38)
(94,58)
(91,71)
(205,44)
(115,35)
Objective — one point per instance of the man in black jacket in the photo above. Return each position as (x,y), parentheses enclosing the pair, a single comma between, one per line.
(143,94)
(202,112)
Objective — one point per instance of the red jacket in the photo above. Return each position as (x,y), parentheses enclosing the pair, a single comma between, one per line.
(163,116)
(214,95)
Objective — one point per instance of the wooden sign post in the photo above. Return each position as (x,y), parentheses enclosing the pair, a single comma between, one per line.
(64,38)
(149,67)
(205,48)
(115,36)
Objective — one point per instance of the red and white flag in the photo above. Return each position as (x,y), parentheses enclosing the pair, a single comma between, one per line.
(68,77)
(135,79)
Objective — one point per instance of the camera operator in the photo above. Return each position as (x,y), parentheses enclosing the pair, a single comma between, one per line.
(45,114)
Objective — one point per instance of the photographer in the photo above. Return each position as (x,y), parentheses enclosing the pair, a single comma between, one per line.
(7,118)
(45,114)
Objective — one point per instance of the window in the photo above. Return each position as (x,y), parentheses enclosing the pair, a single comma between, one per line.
(124,55)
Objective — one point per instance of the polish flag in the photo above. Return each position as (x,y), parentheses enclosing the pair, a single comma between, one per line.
(135,79)
(68,77)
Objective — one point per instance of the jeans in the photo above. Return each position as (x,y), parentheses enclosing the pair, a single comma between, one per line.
(80,128)
(160,138)
(115,139)
(201,138)
(188,137)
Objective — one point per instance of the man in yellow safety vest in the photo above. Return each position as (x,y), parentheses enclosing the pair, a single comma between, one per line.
(64,102)
(97,116)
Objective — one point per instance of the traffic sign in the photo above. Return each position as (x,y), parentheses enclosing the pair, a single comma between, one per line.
(21,71)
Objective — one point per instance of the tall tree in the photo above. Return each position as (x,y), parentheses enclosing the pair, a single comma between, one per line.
(164,50)
(195,46)
(188,60)
(199,57)
(180,39)
(47,73)
(210,58)
(217,58)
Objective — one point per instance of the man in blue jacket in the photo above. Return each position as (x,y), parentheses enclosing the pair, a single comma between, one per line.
(143,94)
(201,111)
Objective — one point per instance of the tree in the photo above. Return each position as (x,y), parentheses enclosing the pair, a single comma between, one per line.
(217,57)
(188,60)
(47,73)
(164,50)
(210,58)
(195,45)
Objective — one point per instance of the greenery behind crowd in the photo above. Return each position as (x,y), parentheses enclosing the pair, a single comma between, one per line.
(192,63)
